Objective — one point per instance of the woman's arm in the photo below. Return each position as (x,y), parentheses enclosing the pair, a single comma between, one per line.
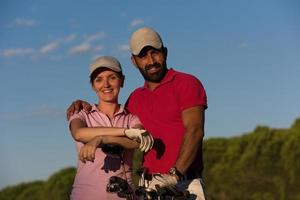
(122,141)
(82,133)
(87,152)
(93,137)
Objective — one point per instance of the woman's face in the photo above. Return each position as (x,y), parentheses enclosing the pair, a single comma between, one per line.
(107,86)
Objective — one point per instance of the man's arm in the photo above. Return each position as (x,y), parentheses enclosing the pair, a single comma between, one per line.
(193,121)
(77,106)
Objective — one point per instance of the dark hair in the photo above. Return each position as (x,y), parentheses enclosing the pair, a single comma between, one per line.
(97,71)
(146,48)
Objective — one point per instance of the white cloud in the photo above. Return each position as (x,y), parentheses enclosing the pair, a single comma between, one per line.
(74,23)
(48,111)
(123,14)
(43,111)
(16,52)
(21,22)
(82,48)
(69,38)
(93,58)
(94,37)
(243,45)
(49,47)
(136,22)
(99,48)
(124,48)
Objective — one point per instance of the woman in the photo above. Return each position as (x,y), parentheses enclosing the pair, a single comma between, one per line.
(107,123)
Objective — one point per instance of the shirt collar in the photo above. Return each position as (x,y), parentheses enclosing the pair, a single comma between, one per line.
(120,111)
(168,77)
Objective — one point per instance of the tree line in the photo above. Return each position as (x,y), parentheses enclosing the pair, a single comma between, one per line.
(260,165)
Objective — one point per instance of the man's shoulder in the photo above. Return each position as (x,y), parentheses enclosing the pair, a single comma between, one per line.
(137,91)
(184,77)
(135,94)
(134,99)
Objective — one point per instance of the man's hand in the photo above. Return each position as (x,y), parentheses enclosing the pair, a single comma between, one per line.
(162,180)
(76,106)
(87,152)
(145,139)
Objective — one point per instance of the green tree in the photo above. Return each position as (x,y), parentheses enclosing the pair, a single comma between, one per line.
(260,165)
(59,185)
(33,190)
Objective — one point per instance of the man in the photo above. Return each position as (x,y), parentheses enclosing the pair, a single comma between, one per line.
(171,105)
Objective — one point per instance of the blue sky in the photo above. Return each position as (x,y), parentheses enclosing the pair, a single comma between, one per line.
(246,53)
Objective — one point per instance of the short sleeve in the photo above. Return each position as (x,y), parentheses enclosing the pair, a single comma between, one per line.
(81,115)
(191,93)
(134,120)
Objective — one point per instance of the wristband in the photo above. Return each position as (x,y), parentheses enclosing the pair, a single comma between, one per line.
(174,171)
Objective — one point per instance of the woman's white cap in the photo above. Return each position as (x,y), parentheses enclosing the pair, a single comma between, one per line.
(107,62)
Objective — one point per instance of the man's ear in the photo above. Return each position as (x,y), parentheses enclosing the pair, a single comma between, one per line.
(133,61)
(165,51)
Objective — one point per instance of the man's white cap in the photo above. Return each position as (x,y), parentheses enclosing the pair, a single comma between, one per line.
(107,62)
(144,37)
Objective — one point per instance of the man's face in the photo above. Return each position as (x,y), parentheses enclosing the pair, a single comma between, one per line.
(151,63)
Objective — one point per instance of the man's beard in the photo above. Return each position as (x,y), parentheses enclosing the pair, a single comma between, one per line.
(157,77)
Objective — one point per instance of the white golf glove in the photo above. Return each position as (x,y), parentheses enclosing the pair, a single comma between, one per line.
(145,138)
(162,180)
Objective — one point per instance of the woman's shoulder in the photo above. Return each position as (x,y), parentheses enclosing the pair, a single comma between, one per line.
(132,118)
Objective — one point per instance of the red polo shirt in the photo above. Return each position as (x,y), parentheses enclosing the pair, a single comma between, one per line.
(160,113)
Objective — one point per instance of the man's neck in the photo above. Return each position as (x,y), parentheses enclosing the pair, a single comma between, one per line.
(151,85)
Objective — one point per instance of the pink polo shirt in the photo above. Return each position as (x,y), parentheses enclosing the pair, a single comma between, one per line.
(160,112)
(92,177)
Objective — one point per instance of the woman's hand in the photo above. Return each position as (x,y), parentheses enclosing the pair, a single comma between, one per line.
(142,136)
(87,152)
